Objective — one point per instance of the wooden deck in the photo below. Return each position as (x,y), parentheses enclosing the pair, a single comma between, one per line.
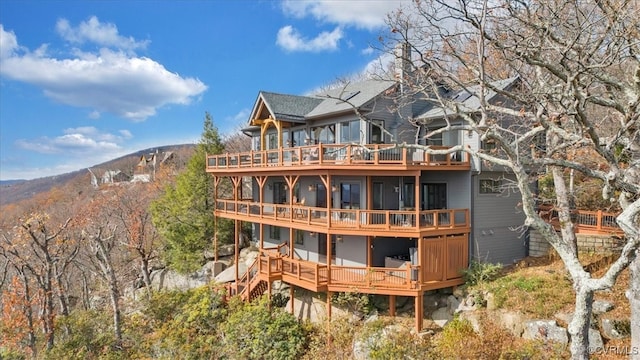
(444,258)
(586,222)
(337,156)
(347,221)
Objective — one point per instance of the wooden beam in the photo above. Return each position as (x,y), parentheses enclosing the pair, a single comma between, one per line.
(392,305)
(419,311)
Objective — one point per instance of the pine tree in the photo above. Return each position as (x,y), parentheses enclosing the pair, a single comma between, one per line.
(184,214)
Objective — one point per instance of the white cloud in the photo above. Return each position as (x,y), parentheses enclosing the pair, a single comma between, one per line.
(291,40)
(107,81)
(78,142)
(8,43)
(368,15)
(103,34)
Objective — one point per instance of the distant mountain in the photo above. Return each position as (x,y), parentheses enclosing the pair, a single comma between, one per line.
(12,191)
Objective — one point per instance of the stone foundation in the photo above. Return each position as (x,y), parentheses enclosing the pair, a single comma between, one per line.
(538,246)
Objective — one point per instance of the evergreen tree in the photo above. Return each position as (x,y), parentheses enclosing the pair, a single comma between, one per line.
(184,214)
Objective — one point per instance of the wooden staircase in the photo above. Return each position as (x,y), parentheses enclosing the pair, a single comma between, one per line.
(251,286)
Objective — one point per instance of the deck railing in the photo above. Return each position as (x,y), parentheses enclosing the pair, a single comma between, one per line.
(594,222)
(337,154)
(395,220)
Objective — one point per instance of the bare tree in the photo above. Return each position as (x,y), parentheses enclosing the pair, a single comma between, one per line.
(576,85)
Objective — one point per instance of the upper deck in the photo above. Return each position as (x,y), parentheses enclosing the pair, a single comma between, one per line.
(338,156)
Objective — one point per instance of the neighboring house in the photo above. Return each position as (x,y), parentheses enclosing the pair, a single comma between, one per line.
(336,207)
(147,166)
(114,176)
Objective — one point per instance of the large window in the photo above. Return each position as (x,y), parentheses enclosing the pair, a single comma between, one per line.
(350,196)
(434,196)
(297,138)
(324,134)
(274,232)
(272,141)
(377,135)
(279,193)
(378,192)
(350,132)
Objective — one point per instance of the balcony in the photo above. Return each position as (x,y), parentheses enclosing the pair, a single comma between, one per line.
(443,259)
(347,221)
(585,222)
(337,156)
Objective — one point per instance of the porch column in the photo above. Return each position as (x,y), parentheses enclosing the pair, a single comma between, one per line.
(369,252)
(416,199)
(419,311)
(329,295)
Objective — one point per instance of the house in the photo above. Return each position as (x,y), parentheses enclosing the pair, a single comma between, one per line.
(337,206)
(147,166)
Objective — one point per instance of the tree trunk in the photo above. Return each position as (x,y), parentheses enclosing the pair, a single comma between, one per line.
(634,302)
(579,325)
(146,277)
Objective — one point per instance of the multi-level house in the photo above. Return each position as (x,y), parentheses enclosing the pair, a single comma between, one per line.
(338,206)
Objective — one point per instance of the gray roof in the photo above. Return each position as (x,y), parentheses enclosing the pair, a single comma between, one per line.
(345,97)
(466,99)
(300,108)
(289,107)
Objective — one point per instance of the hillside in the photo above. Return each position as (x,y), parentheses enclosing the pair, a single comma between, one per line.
(12,191)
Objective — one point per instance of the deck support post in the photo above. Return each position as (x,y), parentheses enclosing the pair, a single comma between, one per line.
(292,299)
(419,311)
(392,305)
(329,296)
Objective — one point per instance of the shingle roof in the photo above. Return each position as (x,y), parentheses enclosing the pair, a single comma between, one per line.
(466,99)
(289,107)
(357,94)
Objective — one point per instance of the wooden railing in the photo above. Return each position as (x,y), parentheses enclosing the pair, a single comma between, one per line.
(375,277)
(392,220)
(593,222)
(311,273)
(337,154)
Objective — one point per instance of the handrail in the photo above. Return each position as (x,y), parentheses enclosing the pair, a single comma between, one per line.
(594,221)
(337,154)
(392,220)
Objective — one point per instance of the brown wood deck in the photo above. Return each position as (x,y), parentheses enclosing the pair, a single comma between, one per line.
(347,221)
(336,156)
(586,222)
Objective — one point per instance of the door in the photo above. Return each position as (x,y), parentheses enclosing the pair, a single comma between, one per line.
(434,196)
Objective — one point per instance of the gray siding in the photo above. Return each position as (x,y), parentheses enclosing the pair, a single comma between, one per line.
(497,222)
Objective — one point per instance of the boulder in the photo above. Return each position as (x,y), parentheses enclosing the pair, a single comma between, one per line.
(595,341)
(441,316)
(166,279)
(513,321)
(229,274)
(601,307)
(615,329)
(546,330)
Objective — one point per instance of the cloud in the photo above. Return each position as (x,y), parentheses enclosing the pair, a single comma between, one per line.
(110,80)
(368,15)
(291,40)
(78,141)
(103,34)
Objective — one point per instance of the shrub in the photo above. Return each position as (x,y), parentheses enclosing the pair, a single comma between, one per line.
(253,331)
(479,273)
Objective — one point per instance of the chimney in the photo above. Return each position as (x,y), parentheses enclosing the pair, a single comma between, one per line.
(402,54)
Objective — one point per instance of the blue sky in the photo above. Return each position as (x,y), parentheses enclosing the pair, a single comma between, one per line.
(82,82)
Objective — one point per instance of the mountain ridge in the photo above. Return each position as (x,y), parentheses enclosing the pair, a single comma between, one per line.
(15,190)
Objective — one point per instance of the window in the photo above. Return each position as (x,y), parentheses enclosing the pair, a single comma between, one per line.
(490,186)
(274,232)
(299,237)
(408,195)
(324,134)
(321,196)
(377,136)
(256,143)
(350,132)
(488,145)
(350,196)
(378,191)
(272,141)
(279,193)
(434,196)
(297,138)
(435,139)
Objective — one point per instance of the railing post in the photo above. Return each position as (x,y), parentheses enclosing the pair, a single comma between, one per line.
(599,220)
(320,154)
(404,156)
